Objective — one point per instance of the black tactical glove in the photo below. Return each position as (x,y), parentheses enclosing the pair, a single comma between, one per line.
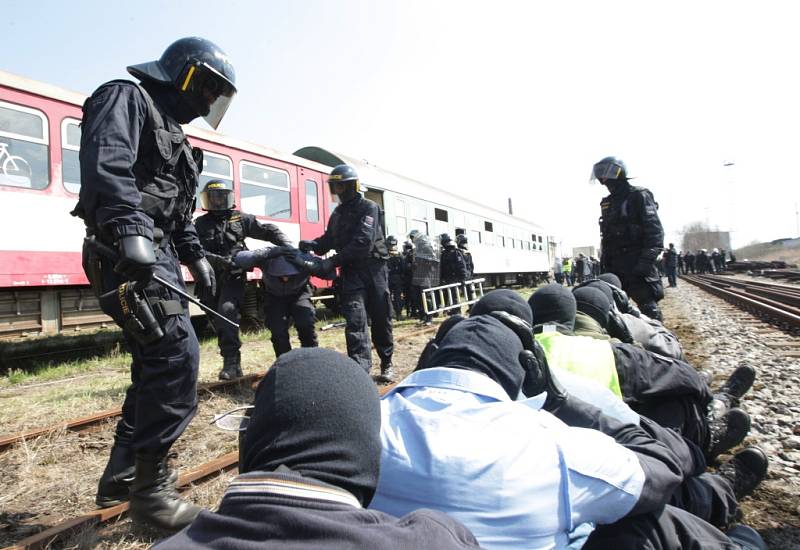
(317,267)
(617,328)
(219,263)
(307,246)
(205,284)
(136,258)
(273,252)
(539,378)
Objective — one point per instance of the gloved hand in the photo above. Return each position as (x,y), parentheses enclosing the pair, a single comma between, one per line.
(539,378)
(617,327)
(219,263)
(325,267)
(317,267)
(245,259)
(274,251)
(205,283)
(136,258)
(307,246)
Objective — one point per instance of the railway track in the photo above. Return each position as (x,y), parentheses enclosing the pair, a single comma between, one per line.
(89,422)
(185,483)
(776,303)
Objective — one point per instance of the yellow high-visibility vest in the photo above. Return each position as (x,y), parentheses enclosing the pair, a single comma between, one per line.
(582,355)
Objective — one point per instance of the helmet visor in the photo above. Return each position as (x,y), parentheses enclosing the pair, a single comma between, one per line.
(216,199)
(605,171)
(208,91)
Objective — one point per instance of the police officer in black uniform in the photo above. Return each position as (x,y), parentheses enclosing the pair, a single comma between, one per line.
(222,233)
(631,235)
(355,232)
(452,269)
(396,266)
(139,176)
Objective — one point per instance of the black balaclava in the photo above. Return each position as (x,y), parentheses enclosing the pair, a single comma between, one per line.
(602,286)
(553,303)
(506,300)
(317,412)
(169,99)
(593,303)
(611,279)
(483,344)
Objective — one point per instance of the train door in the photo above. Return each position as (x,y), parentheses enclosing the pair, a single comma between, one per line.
(312,210)
(376,196)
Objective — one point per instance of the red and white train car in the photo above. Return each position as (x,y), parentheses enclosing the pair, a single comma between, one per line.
(42,285)
(43,289)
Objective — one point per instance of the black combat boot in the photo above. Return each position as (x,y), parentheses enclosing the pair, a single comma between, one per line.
(115,483)
(745,470)
(727,432)
(737,385)
(154,499)
(387,373)
(231,367)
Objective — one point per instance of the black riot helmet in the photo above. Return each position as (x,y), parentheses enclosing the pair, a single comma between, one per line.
(343,182)
(609,169)
(200,71)
(444,238)
(216,196)
(461,240)
(391,241)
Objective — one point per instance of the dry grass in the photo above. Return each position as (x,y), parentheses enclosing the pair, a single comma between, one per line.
(54,477)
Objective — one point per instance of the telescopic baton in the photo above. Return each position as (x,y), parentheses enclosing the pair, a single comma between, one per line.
(112,255)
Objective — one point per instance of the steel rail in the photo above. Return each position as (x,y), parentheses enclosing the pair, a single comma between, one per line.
(87,422)
(751,303)
(202,473)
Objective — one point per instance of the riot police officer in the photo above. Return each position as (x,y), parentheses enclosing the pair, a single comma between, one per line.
(396,266)
(222,232)
(453,269)
(631,235)
(355,232)
(139,176)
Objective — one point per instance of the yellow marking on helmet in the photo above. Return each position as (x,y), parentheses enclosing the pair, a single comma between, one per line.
(216,186)
(335,177)
(188,78)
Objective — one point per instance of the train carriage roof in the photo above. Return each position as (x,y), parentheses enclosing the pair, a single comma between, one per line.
(374,176)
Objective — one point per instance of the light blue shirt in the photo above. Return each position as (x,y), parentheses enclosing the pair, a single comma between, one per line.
(515,475)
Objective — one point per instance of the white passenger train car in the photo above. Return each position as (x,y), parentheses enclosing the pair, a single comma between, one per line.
(506,249)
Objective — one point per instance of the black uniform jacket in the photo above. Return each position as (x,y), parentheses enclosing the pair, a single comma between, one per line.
(109,199)
(224,233)
(355,232)
(630,226)
(287,511)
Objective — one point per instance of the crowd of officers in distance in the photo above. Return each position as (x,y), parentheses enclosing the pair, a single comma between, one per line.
(570,420)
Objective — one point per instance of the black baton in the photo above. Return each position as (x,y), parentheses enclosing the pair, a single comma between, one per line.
(112,255)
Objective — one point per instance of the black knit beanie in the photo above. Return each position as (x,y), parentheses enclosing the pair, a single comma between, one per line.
(506,300)
(553,303)
(317,412)
(593,303)
(611,279)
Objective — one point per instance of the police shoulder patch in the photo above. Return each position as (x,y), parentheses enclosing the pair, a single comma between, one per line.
(369,221)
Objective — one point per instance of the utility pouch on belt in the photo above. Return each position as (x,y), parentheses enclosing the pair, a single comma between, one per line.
(92,268)
(137,314)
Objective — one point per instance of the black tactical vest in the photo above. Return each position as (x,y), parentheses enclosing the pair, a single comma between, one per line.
(620,223)
(221,234)
(166,169)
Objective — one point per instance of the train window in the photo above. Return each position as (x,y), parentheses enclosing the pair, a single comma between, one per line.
(475,237)
(487,226)
(215,167)
(24,148)
(460,231)
(540,240)
(70,146)
(312,201)
(540,247)
(402,227)
(528,245)
(265,191)
(440,214)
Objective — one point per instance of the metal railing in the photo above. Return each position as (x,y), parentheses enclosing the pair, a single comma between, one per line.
(451,296)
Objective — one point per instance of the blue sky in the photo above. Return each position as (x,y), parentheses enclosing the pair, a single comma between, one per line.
(487,99)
